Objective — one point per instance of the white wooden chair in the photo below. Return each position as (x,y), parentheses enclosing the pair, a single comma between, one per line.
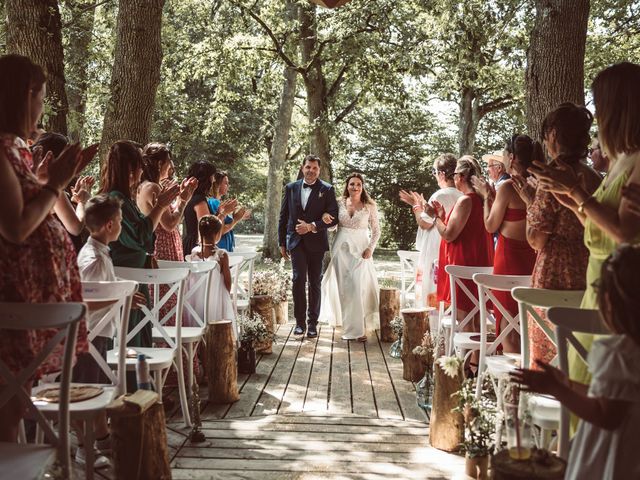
(567,322)
(198,292)
(30,461)
(159,359)
(497,365)
(240,263)
(459,339)
(408,261)
(545,410)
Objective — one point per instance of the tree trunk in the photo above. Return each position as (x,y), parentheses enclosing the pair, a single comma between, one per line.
(262,306)
(136,73)
(555,60)
(34,29)
(78,55)
(222,371)
(389,309)
(446,426)
(277,160)
(416,325)
(316,87)
(468,121)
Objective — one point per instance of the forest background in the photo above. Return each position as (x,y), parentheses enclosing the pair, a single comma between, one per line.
(377,86)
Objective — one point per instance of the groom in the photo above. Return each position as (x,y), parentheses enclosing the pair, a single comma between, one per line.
(303,235)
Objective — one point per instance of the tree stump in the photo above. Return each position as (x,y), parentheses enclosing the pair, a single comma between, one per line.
(540,466)
(222,370)
(138,437)
(415,326)
(281,312)
(389,309)
(262,306)
(446,428)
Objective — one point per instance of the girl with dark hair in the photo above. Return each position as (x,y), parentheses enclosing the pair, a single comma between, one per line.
(37,260)
(505,213)
(552,229)
(428,239)
(351,268)
(135,245)
(606,214)
(605,445)
(220,189)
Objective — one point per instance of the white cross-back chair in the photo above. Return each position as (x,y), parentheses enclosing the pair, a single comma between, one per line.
(488,283)
(120,293)
(545,410)
(198,293)
(159,359)
(408,261)
(568,321)
(238,264)
(29,461)
(461,340)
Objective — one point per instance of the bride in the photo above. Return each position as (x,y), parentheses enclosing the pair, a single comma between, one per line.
(350,285)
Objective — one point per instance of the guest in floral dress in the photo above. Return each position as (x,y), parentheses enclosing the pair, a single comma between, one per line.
(37,258)
(552,229)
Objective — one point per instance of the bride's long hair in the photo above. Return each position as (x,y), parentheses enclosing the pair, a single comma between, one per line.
(364,196)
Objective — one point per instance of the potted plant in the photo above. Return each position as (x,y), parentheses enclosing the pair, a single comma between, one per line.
(252,331)
(479,428)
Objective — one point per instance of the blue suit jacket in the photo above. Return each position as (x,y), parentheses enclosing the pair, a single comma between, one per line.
(322,200)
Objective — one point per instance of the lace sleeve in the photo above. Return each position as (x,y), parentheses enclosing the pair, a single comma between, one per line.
(374,225)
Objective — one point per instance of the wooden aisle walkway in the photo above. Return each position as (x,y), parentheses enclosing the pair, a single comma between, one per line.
(321,408)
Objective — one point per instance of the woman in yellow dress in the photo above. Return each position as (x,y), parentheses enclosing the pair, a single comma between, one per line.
(609,218)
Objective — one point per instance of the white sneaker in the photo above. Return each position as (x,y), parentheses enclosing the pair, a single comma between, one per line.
(100,461)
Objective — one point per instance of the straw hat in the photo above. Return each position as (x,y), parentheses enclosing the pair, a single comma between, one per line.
(495,156)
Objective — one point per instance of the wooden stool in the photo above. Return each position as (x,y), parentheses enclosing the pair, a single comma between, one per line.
(389,309)
(446,428)
(540,466)
(138,437)
(262,305)
(416,325)
(222,370)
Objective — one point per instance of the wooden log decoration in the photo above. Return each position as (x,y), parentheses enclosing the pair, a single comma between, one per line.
(222,369)
(415,326)
(138,437)
(540,466)
(261,305)
(389,309)
(446,428)
(281,312)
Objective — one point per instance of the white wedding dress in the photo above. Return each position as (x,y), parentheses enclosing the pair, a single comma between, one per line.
(350,285)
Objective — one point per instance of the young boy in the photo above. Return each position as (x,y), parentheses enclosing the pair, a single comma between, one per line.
(103,218)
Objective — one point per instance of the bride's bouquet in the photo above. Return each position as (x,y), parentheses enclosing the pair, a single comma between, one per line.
(274,280)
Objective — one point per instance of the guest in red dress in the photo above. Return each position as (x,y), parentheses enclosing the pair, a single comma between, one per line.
(465,241)
(37,258)
(505,212)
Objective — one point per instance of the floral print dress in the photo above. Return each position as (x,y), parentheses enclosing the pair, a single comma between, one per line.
(42,269)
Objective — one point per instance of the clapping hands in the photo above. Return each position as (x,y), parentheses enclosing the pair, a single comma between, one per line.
(170,191)
(547,381)
(483,187)
(81,191)
(187,187)
(525,187)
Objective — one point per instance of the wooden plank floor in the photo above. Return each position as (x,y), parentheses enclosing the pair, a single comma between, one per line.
(315,408)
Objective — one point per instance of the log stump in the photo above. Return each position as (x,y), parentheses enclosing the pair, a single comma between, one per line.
(446,428)
(138,437)
(540,466)
(389,309)
(415,326)
(262,306)
(281,312)
(222,369)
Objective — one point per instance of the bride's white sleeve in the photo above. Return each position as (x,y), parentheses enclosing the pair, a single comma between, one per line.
(374,225)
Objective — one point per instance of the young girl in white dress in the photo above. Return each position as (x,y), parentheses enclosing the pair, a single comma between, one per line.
(220,303)
(350,284)
(606,443)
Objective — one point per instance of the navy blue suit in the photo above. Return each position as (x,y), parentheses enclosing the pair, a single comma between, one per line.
(307,251)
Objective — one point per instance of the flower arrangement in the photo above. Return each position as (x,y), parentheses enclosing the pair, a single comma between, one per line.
(397,326)
(253,330)
(274,281)
(450,365)
(479,419)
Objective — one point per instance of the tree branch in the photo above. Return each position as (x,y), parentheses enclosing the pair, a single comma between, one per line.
(493,105)
(337,82)
(348,109)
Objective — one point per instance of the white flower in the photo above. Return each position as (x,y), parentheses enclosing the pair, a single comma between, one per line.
(450,365)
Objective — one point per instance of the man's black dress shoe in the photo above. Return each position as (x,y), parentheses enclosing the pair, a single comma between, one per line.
(312,332)
(298,331)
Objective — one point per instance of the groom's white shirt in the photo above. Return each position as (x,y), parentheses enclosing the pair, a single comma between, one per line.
(305,193)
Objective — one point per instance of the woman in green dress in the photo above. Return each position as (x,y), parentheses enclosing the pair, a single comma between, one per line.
(134,248)
(607,216)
